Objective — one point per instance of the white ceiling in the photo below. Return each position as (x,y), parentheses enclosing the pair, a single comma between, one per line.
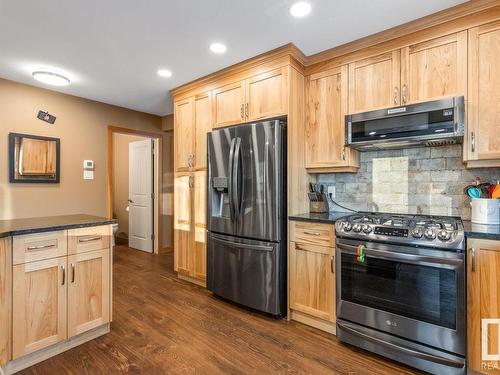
(112,49)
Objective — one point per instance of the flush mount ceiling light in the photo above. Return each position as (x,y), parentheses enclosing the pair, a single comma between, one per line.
(300,9)
(218,48)
(165,73)
(50,78)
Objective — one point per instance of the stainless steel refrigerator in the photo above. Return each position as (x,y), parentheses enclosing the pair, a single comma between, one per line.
(246,248)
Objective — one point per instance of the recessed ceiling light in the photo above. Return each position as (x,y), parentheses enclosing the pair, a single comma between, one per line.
(164,73)
(218,48)
(50,78)
(300,9)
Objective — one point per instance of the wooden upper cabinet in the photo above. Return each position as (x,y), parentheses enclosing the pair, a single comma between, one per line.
(312,280)
(229,104)
(39,305)
(184,128)
(267,95)
(483,302)
(325,120)
(203,125)
(484,94)
(374,83)
(434,69)
(88,291)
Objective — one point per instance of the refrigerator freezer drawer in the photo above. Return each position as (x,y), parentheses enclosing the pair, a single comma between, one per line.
(247,272)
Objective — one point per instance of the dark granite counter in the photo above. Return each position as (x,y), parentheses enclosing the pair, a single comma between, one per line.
(50,223)
(325,218)
(485,232)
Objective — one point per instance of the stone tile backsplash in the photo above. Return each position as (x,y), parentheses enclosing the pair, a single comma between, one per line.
(428,180)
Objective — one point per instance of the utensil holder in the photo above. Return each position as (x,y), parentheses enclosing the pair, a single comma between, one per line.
(320,206)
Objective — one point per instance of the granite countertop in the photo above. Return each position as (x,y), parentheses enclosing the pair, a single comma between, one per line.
(16,227)
(472,230)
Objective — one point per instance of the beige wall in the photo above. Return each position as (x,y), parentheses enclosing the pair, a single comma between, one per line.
(82,127)
(120,177)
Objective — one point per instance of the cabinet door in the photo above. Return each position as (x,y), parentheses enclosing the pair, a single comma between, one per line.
(374,82)
(39,305)
(266,95)
(5,299)
(312,281)
(37,157)
(229,107)
(203,125)
(484,93)
(325,119)
(483,302)
(200,226)
(88,291)
(184,117)
(434,69)
(182,223)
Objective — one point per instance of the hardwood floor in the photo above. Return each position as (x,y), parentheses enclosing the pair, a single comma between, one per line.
(164,325)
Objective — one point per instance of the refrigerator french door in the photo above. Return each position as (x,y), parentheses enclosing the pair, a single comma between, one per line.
(246,262)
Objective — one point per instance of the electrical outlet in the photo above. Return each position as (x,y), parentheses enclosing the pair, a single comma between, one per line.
(331,191)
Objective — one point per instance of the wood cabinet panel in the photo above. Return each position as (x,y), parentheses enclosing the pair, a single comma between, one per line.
(82,240)
(39,305)
(88,291)
(5,299)
(229,104)
(434,69)
(484,93)
(182,222)
(312,233)
(184,128)
(199,269)
(266,95)
(39,246)
(483,302)
(312,281)
(203,125)
(374,83)
(37,157)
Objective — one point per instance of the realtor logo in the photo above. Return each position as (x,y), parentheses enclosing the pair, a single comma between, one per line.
(485,351)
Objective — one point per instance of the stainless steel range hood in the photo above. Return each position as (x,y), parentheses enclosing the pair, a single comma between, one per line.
(434,123)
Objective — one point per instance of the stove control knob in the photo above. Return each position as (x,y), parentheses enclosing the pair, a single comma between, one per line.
(429,234)
(444,235)
(356,227)
(417,233)
(347,227)
(367,229)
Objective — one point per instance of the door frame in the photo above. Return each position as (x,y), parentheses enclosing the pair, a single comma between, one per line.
(158,141)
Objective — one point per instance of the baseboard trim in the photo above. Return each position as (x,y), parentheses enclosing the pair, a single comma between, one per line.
(41,355)
(191,280)
(312,321)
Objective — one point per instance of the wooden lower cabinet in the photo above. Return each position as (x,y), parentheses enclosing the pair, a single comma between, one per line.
(483,303)
(39,305)
(88,291)
(5,299)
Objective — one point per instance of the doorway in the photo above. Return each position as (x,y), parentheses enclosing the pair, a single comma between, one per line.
(134,187)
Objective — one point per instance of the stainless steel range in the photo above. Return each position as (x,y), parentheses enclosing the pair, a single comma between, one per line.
(401,288)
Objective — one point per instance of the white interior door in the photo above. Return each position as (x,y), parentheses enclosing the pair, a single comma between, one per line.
(140,193)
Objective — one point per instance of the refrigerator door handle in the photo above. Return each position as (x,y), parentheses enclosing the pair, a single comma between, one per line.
(235,179)
(231,177)
(243,245)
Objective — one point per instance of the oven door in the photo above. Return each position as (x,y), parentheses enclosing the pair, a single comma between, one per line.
(414,293)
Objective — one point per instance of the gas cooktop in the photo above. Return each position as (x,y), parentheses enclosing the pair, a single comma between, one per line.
(444,232)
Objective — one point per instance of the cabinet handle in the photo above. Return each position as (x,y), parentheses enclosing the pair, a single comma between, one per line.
(246,110)
(40,247)
(72,273)
(405,89)
(332,264)
(242,111)
(473,259)
(89,239)
(473,142)
(313,233)
(343,153)
(63,275)
(396,95)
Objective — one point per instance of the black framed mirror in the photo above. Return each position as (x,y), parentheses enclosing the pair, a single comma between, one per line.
(34,159)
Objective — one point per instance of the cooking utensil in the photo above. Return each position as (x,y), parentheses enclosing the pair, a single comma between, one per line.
(472,191)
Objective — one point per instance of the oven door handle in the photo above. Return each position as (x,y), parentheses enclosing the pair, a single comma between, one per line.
(391,255)
(402,349)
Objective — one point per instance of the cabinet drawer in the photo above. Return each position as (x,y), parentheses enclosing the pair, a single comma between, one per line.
(313,233)
(82,240)
(39,246)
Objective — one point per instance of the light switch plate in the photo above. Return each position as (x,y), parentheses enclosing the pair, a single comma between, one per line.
(88,175)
